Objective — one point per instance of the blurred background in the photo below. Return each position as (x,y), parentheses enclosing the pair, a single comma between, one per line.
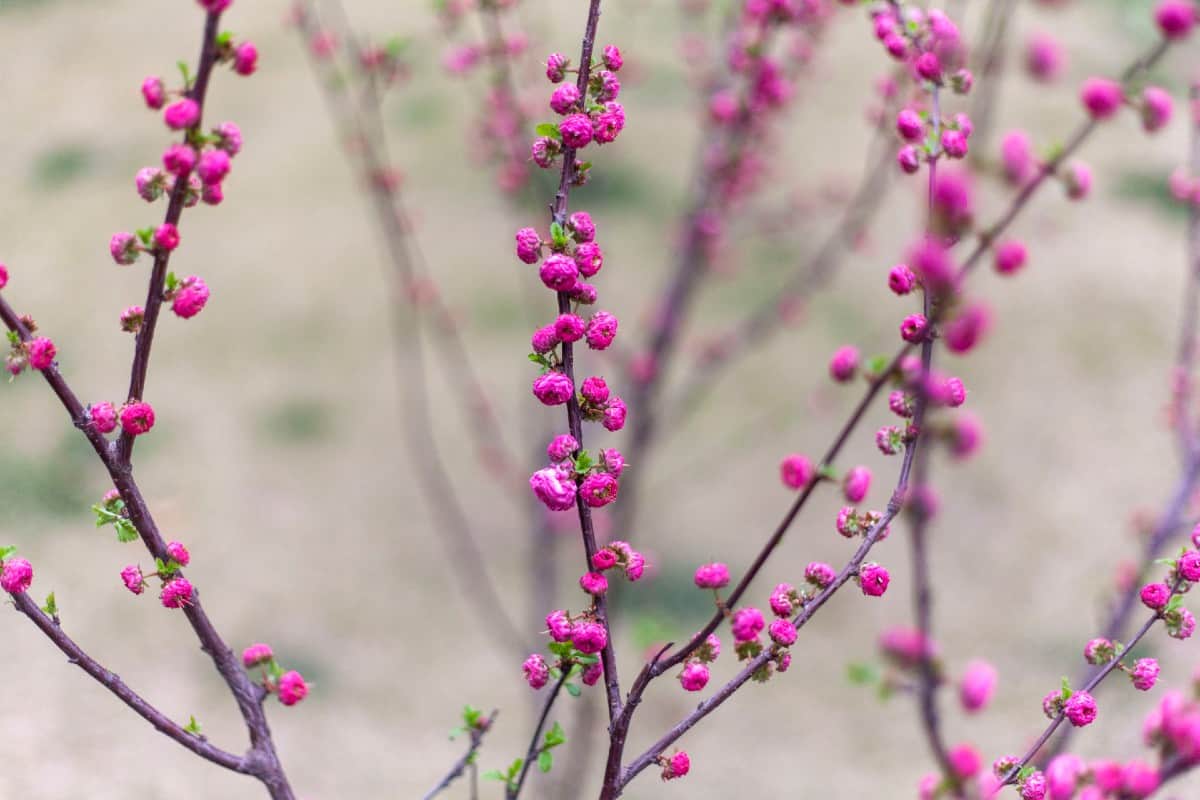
(278,456)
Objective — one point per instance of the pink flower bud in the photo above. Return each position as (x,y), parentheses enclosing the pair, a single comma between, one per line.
(179,159)
(599,489)
(694,676)
(901,279)
(913,328)
(954,143)
(150,182)
(1156,108)
(292,688)
(176,593)
(565,98)
(213,167)
(856,484)
(1175,18)
(844,364)
(977,686)
(245,58)
(190,297)
(819,574)
(589,638)
(177,551)
(1155,596)
(137,418)
(182,114)
(544,339)
(676,766)
(103,416)
(1188,566)
(1044,57)
(1080,709)
(556,66)
(1034,787)
(909,159)
(554,487)
(747,624)
(601,330)
(712,576)
(229,138)
(593,583)
(1077,178)
(569,328)
(1010,257)
(592,674)
(589,258)
(553,389)
(16,576)
(1144,674)
(614,415)
(929,67)
(153,92)
(965,761)
(784,600)
(561,447)
(576,131)
(582,228)
(132,577)
(124,248)
(782,632)
(1101,97)
(967,329)
(873,579)
(910,126)
(559,273)
(256,655)
(612,58)
(796,471)
(166,237)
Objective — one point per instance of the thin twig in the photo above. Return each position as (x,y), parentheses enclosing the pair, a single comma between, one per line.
(466,760)
(531,753)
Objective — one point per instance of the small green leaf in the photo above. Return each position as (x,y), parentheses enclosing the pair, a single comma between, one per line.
(126,532)
(555,736)
(1175,603)
(186,73)
(558,234)
(877,364)
(193,727)
(145,235)
(548,129)
(470,716)
(224,39)
(827,473)
(14,338)
(51,607)
(861,674)
(1066,688)
(1025,772)
(573,689)
(494,775)
(172,282)
(514,769)
(5,552)
(545,760)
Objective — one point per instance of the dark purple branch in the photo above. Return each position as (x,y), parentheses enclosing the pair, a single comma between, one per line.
(111,681)
(466,760)
(158,275)
(534,749)
(262,761)
(612,684)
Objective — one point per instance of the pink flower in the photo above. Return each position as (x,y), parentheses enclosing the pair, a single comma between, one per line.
(559,625)
(1034,787)
(1156,108)
(601,330)
(553,388)
(612,58)
(856,484)
(636,567)
(1078,180)
(559,273)
(599,489)
(593,583)
(179,553)
(604,559)
(844,363)
(245,58)
(554,487)
(612,461)
(16,575)
(910,126)
(544,339)
(176,593)
(676,766)
(569,328)
(1062,774)
(747,624)
(1175,18)
(912,329)
(213,167)
(953,393)
(576,131)
(153,92)
(41,352)
(1144,674)
(694,677)
(229,138)
(190,298)
(1016,157)
(782,632)
(1155,596)
(179,159)
(931,262)
(1099,651)
(954,143)
(581,227)
(1044,57)
(150,182)
(182,114)
(712,576)
(543,151)
(132,577)
(257,654)
(166,237)
(594,389)
(909,159)
(614,415)
(589,638)
(929,67)
(783,600)
(589,259)
(1080,709)
(965,331)
(556,66)
(1188,566)
(131,319)
(796,471)
(965,761)
(819,574)
(565,98)
(1101,97)
(977,686)
(292,688)
(537,673)
(561,447)
(592,674)
(1139,780)
(901,279)
(1010,257)
(873,579)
